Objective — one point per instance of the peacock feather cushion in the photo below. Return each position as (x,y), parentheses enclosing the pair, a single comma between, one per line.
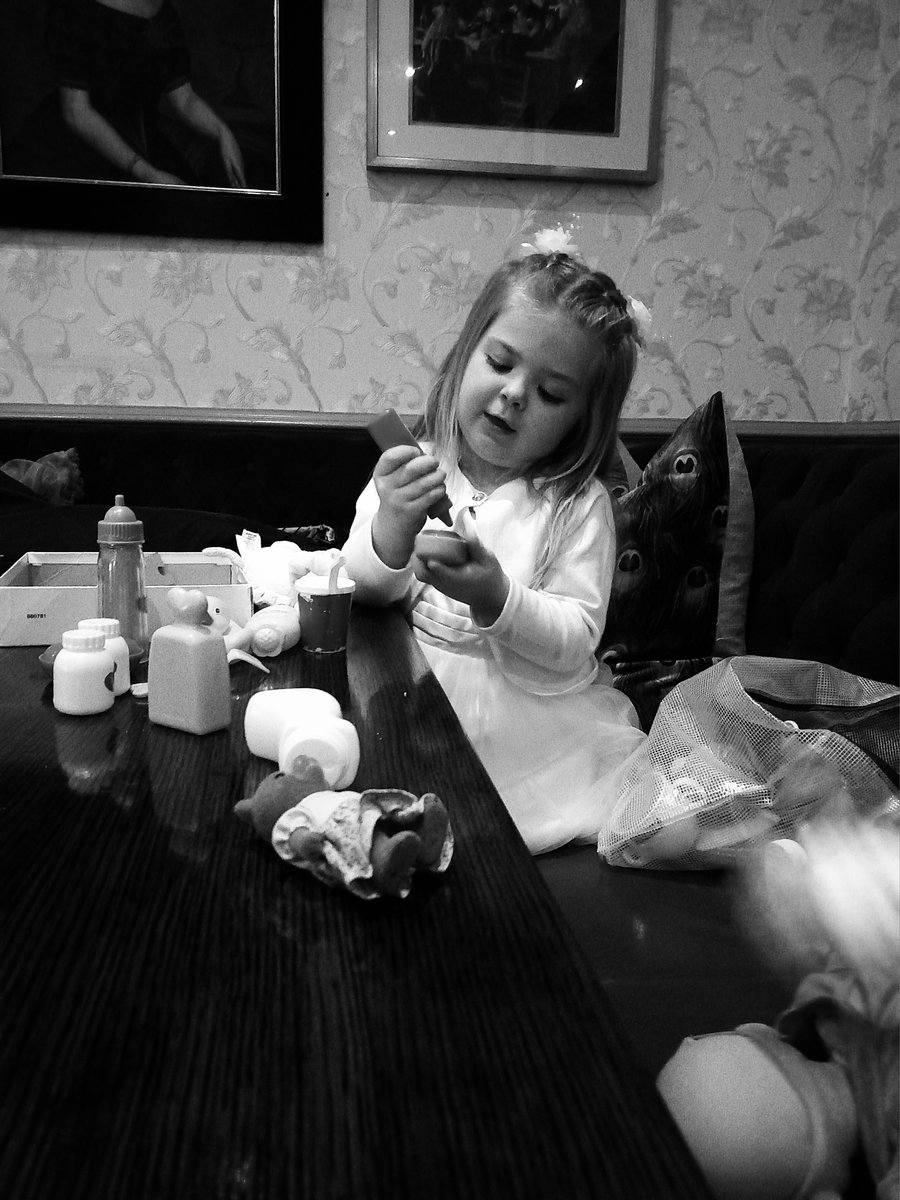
(684,533)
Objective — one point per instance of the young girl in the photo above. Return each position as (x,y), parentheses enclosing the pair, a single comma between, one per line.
(519,424)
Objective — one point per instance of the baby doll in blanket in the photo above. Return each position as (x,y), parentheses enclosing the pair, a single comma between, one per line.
(370,843)
(787,1112)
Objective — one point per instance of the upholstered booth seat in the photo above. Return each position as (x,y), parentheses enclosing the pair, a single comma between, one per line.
(824,583)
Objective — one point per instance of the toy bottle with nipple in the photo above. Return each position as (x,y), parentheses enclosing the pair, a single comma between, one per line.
(122,592)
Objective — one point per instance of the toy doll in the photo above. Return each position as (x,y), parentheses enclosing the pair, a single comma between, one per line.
(787,1112)
(370,843)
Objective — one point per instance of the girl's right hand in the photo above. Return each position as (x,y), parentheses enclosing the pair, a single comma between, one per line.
(408,483)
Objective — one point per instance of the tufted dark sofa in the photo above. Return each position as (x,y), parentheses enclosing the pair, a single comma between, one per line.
(824,582)
(669,947)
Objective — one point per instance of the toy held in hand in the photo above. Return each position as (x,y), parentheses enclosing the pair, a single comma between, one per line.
(371,843)
(387,431)
(443,545)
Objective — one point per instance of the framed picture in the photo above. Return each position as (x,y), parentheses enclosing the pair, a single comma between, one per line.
(178,118)
(554,88)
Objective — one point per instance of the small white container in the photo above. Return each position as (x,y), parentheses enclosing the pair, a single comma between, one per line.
(117,646)
(83,674)
(269,714)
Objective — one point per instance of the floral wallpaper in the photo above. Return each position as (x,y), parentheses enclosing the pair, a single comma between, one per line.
(768,251)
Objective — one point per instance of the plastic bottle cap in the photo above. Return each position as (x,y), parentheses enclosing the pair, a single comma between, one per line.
(120,524)
(108,626)
(332,742)
(83,639)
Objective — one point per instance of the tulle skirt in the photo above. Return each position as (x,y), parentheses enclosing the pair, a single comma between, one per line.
(551,758)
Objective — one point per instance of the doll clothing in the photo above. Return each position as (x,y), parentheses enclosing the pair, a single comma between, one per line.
(348,821)
(348,830)
(858,1023)
(528,690)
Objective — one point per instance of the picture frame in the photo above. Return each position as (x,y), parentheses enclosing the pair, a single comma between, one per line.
(576,100)
(283,196)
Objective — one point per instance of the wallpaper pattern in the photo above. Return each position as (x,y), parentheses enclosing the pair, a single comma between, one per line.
(768,252)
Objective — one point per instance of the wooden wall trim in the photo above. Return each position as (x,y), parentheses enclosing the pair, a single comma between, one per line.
(654,427)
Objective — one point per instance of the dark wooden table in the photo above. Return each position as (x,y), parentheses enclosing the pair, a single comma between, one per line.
(186,1017)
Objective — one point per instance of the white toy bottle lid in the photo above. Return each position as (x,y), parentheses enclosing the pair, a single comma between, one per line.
(83,639)
(108,626)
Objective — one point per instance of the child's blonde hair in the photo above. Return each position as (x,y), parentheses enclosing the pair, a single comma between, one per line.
(594,303)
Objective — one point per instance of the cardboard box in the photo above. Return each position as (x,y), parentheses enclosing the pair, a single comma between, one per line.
(44,594)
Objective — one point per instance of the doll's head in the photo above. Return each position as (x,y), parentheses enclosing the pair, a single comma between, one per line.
(278,792)
(551,282)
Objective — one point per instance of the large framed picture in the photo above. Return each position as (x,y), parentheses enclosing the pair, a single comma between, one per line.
(178,118)
(553,88)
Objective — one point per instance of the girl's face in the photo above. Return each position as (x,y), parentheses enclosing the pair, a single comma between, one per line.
(523,389)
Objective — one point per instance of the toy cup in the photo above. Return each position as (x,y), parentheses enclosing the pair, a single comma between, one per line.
(323,605)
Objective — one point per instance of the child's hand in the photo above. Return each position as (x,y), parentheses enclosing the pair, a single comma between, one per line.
(408,484)
(479,582)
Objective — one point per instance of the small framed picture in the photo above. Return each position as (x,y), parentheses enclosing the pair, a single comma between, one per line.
(182,118)
(551,88)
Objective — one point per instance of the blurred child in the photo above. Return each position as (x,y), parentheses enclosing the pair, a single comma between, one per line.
(782,1113)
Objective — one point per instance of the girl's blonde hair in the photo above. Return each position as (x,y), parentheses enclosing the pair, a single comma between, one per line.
(594,303)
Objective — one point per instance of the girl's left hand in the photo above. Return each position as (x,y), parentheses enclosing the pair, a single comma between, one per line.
(479,582)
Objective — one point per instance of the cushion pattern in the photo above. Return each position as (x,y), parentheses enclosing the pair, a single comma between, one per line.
(684,556)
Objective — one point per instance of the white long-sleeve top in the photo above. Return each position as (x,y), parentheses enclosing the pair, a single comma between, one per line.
(543,640)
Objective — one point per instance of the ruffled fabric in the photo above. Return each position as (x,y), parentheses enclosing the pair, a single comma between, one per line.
(347,823)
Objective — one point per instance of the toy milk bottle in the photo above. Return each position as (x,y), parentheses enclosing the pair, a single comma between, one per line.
(122,592)
(187,677)
(83,673)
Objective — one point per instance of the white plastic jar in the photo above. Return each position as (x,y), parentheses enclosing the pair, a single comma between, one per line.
(117,646)
(83,674)
(270,714)
(285,723)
